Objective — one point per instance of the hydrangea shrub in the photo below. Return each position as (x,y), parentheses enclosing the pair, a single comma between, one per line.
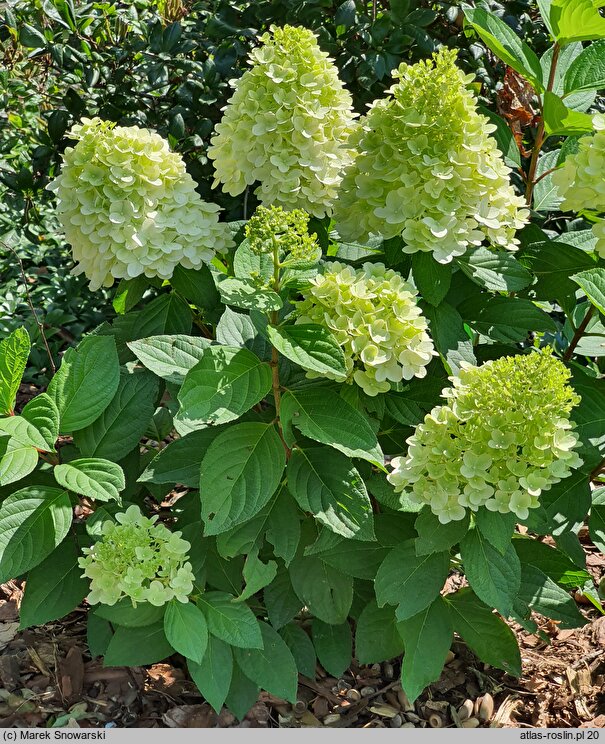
(427,168)
(296,426)
(286,126)
(129,207)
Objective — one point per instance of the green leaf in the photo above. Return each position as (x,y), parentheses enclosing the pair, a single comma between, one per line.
(311,346)
(14,352)
(326,484)
(431,278)
(449,336)
(576,20)
(180,461)
(376,635)
(412,582)
(541,593)
(86,382)
(235,488)
(197,286)
(186,630)
(257,575)
(33,521)
(213,676)
(54,587)
(232,622)
(98,635)
(496,528)
(42,413)
(507,144)
(124,421)
(506,45)
(129,293)
(560,120)
(434,537)
(245,294)
(223,385)
(495,270)
(596,523)
(550,561)
(125,615)
(281,601)
(485,633)
(546,197)
(283,528)
(567,502)
(592,282)
(334,646)
(427,638)
(16,460)
(243,693)
(167,314)
(248,264)
(22,431)
(495,578)
(301,646)
(271,667)
(138,646)
(327,592)
(324,416)
(97,479)
(236,329)
(417,398)
(587,71)
(506,319)
(170,357)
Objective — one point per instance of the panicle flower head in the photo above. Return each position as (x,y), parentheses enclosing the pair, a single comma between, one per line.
(129,207)
(286,125)
(271,227)
(373,314)
(502,438)
(427,169)
(581,179)
(140,559)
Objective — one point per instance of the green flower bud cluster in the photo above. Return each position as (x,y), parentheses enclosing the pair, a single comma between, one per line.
(272,227)
(140,559)
(286,125)
(427,169)
(503,437)
(373,314)
(129,207)
(581,179)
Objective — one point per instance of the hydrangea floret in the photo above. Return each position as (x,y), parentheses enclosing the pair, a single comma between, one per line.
(427,168)
(502,438)
(286,125)
(129,207)
(581,179)
(140,559)
(373,314)
(273,228)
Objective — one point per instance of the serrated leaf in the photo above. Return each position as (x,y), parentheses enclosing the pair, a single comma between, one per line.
(97,479)
(434,537)
(311,346)
(54,587)
(449,336)
(33,522)
(213,676)
(412,582)
(283,526)
(592,282)
(257,575)
(170,357)
(236,329)
(98,635)
(271,667)
(550,561)
(196,285)
(22,431)
(123,422)
(224,384)
(232,622)
(560,120)
(587,71)
(124,614)
(248,264)
(576,20)
(186,630)
(495,578)
(485,633)
(42,413)
(244,293)
(541,593)
(506,319)
(324,416)
(235,488)
(596,522)
(568,501)
(280,600)
(167,314)
(14,352)
(334,646)
(496,528)
(431,278)
(505,139)
(243,693)
(326,484)
(427,638)
(16,460)
(495,270)
(181,460)
(327,592)
(129,293)
(86,382)
(377,638)
(301,646)
(137,646)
